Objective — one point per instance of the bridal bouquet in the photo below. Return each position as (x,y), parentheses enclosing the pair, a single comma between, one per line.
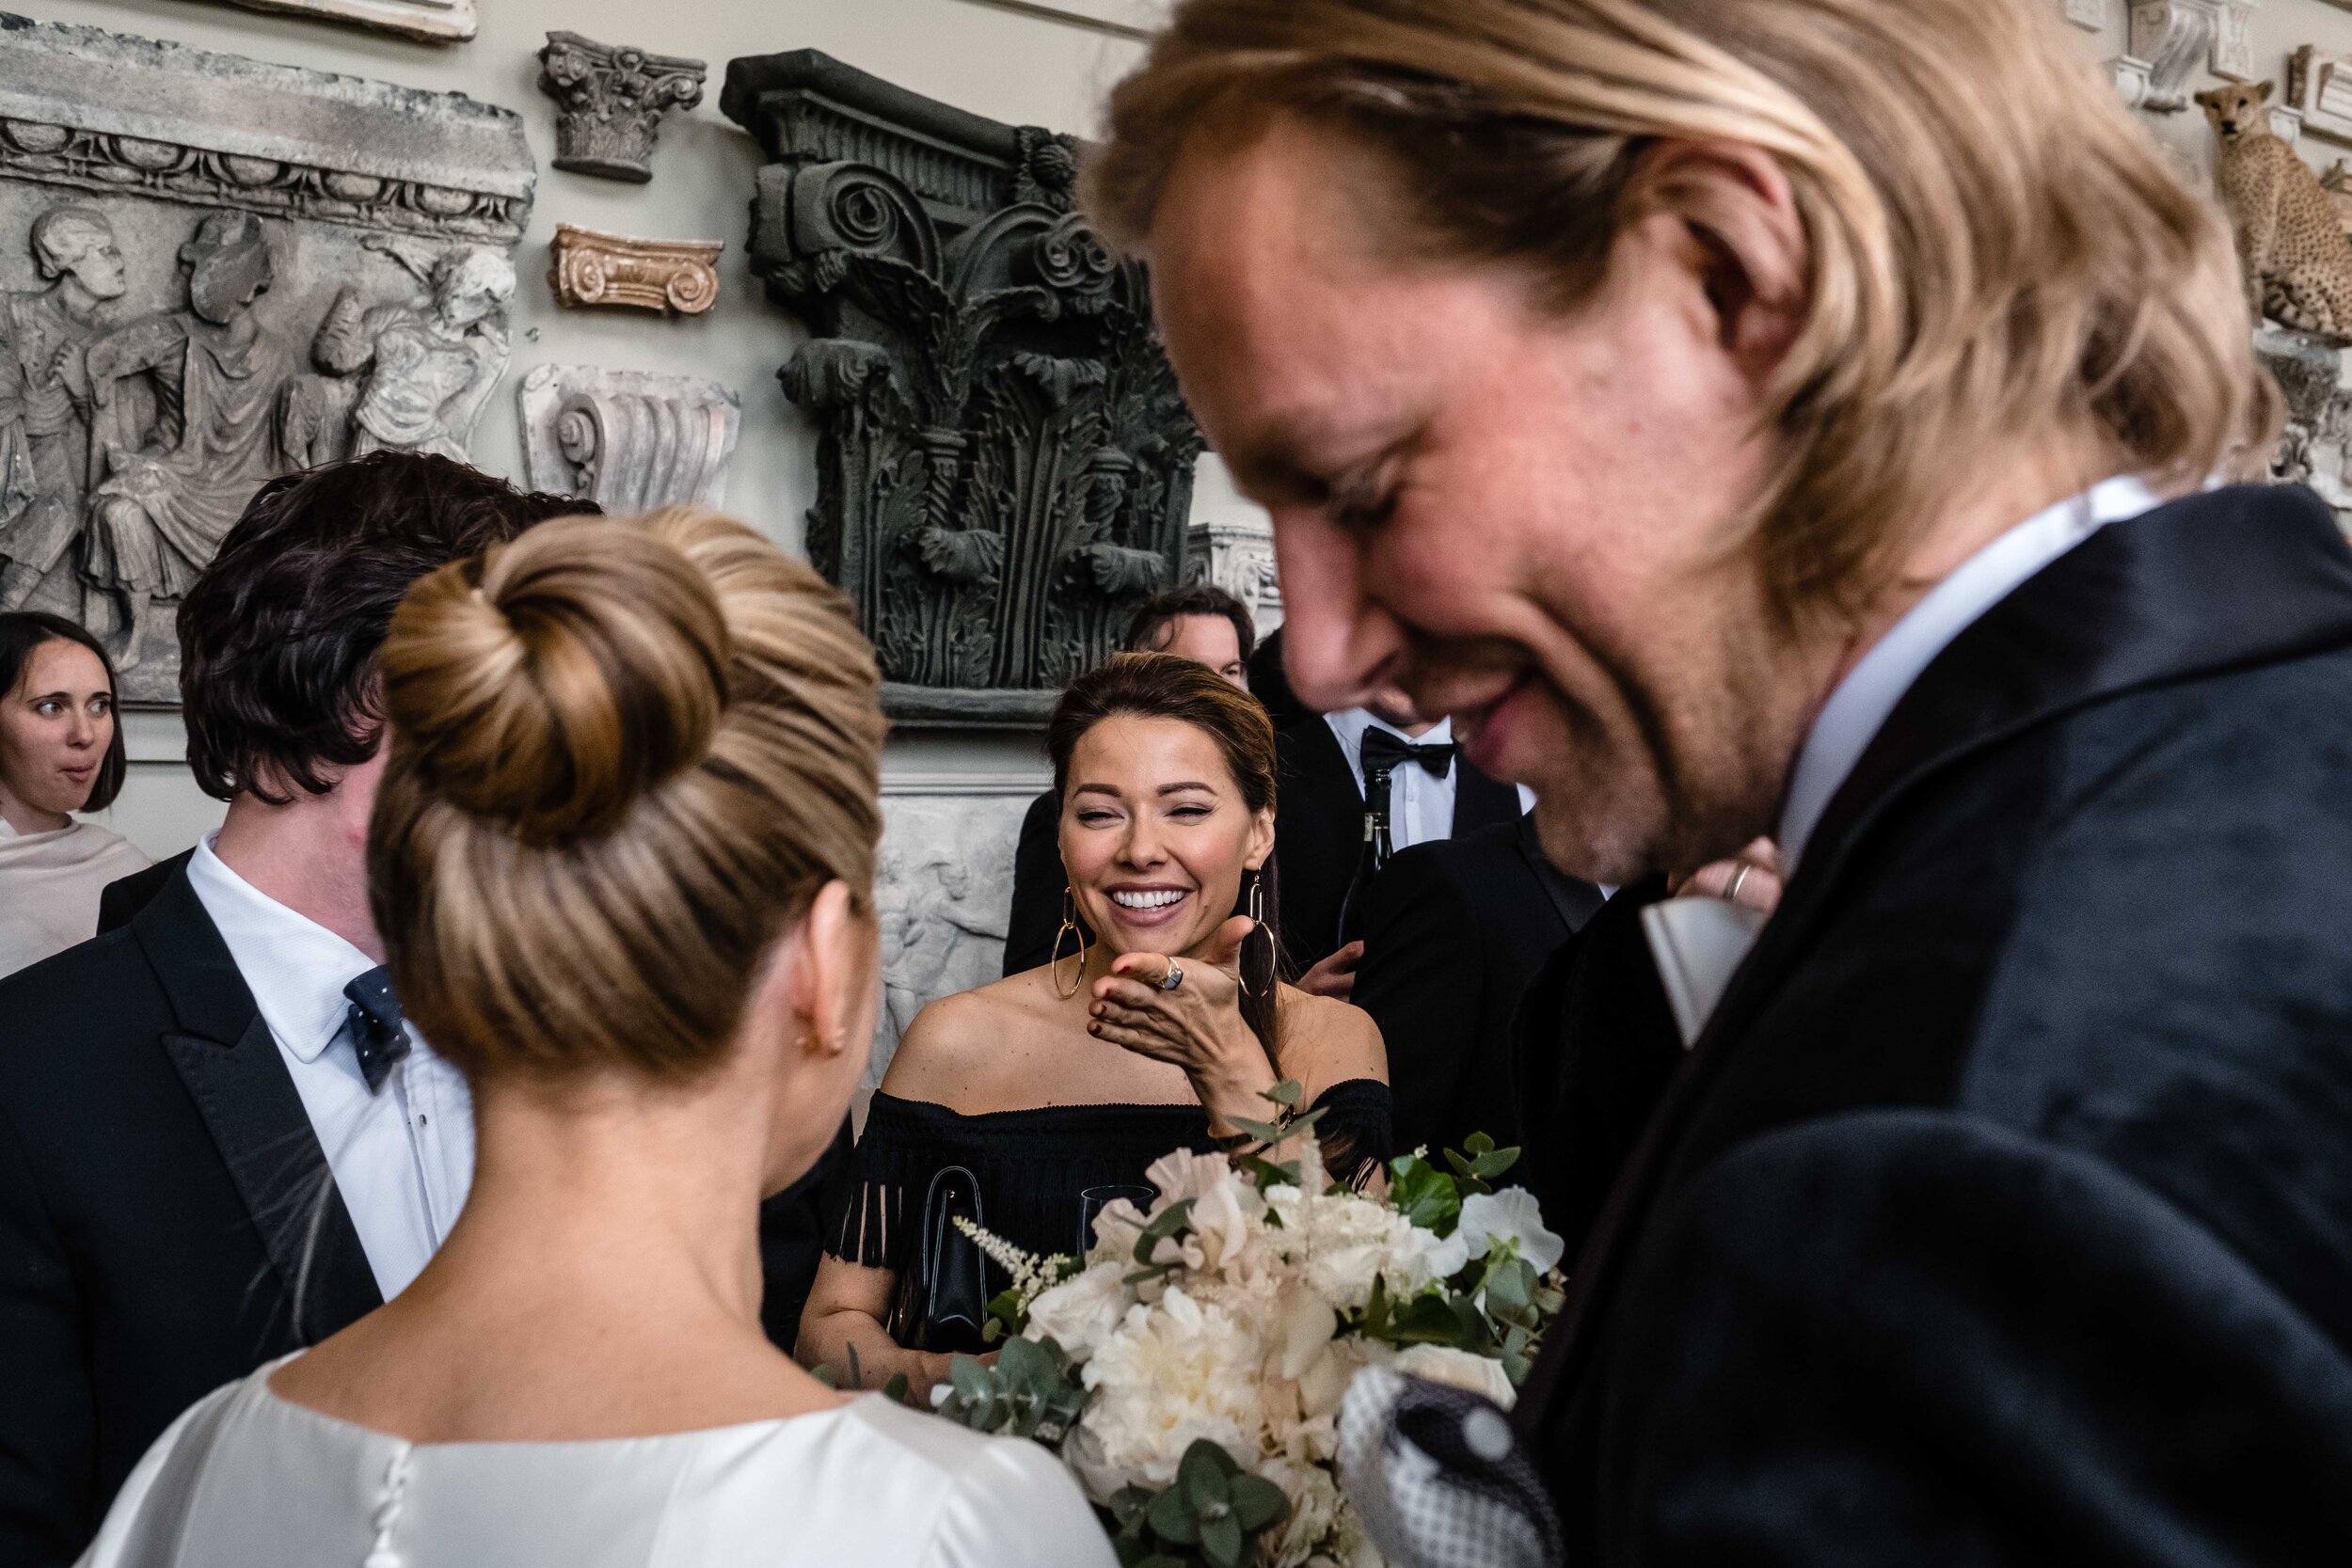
(1189,1369)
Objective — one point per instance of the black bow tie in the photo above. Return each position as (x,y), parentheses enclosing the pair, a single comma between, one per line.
(1385,752)
(376,1035)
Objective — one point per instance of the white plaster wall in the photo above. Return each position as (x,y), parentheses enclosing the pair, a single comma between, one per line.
(1045,62)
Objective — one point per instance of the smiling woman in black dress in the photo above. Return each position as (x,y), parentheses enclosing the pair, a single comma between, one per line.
(1028,1103)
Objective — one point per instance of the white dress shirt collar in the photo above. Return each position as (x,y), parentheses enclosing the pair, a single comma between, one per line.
(1859,705)
(296,968)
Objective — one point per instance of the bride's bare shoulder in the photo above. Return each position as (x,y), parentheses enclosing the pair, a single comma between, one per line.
(959,1046)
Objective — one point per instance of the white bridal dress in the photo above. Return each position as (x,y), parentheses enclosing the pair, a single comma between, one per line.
(246,1479)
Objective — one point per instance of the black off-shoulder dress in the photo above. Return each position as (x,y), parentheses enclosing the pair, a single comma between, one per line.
(1036,1178)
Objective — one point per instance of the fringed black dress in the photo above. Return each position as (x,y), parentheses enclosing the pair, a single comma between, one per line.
(1035,1178)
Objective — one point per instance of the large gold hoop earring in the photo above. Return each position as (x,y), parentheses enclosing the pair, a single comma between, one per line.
(1069,928)
(1257,927)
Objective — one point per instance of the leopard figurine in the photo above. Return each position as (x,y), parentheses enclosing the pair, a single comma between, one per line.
(2297,258)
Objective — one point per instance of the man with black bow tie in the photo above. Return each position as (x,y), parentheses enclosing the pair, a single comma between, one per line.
(219,1141)
(1357,787)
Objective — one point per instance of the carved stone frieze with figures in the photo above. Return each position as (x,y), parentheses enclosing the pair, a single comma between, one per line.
(215,271)
(1004,466)
(630,440)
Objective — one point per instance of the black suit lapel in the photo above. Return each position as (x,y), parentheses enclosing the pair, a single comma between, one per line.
(1479,801)
(232,1069)
(2236,577)
(1574,899)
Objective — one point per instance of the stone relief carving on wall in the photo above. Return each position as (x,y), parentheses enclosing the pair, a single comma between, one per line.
(434,21)
(672,277)
(942,892)
(406,376)
(610,100)
(630,440)
(217,271)
(1004,465)
(1239,558)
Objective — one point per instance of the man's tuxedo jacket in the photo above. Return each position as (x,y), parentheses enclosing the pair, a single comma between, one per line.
(1454,930)
(2002,1212)
(1318,833)
(167,1220)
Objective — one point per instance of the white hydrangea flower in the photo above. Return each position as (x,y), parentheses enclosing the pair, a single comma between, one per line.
(1512,1215)
(1316,1503)
(1169,1374)
(1083,1310)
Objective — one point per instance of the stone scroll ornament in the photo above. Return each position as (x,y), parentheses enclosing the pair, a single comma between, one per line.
(673,277)
(609,102)
(1004,466)
(629,440)
(239,270)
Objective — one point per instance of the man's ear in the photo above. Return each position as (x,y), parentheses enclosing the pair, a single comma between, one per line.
(1746,240)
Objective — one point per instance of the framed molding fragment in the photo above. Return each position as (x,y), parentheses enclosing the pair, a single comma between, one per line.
(431,21)
(2319,85)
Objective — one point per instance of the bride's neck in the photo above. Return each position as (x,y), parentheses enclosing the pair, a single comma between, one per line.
(616,1202)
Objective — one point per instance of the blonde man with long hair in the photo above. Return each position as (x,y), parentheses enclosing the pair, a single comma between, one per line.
(1812,418)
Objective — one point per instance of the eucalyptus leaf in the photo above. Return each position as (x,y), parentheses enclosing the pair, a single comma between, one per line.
(1221,1540)
(1258,1503)
(1286,1092)
(896,1390)
(1172,1519)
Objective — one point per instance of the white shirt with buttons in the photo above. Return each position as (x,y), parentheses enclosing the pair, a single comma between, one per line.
(1420,804)
(402,1157)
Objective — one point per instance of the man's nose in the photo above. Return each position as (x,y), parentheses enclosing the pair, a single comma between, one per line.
(1338,642)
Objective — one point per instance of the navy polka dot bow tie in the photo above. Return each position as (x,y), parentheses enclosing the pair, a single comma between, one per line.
(375,1032)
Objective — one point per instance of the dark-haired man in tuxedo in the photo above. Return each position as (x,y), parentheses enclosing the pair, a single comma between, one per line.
(219,1141)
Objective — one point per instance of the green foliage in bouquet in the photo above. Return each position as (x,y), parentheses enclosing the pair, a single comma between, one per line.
(1215,1514)
(1032,1391)
(1495,1306)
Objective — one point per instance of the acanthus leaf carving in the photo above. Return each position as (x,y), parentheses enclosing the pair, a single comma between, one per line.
(610,100)
(1004,465)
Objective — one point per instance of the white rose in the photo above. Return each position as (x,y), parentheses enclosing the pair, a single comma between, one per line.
(1168,1375)
(1323,1386)
(1304,1324)
(1459,1369)
(1512,1215)
(1083,1310)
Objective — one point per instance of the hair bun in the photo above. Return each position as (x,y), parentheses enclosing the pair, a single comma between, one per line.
(556,681)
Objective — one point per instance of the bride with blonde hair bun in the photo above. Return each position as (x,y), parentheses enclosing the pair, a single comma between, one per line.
(623,863)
